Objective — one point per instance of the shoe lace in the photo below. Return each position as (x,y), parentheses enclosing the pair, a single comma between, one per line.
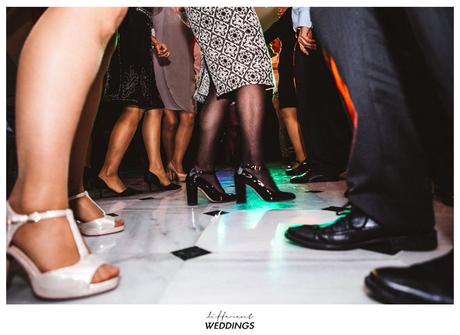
(346,209)
(346,214)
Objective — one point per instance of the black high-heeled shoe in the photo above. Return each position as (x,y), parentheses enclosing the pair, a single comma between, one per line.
(102,185)
(245,176)
(303,167)
(152,179)
(195,181)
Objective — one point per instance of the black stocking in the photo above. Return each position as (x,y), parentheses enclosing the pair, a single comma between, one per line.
(211,118)
(250,104)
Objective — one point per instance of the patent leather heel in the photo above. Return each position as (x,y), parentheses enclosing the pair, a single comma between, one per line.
(245,175)
(240,188)
(195,181)
(192,193)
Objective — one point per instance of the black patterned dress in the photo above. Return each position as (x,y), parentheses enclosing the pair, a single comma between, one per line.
(233,49)
(130,79)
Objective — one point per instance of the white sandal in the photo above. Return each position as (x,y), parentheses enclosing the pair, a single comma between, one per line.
(69,282)
(100,226)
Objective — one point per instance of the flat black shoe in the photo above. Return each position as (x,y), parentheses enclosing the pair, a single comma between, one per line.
(244,176)
(312,176)
(353,230)
(303,167)
(431,282)
(152,179)
(195,181)
(101,185)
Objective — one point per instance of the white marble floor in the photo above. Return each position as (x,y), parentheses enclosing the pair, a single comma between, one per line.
(250,260)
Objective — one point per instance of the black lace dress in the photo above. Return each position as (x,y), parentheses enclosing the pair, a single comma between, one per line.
(130,79)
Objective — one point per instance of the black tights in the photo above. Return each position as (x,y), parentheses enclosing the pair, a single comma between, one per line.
(250,104)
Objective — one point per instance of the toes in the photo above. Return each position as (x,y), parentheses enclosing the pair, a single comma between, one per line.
(105,272)
(119,222)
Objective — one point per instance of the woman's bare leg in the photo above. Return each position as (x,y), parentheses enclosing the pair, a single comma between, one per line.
(151,129)
(57,67)
(168,133)
(182,140)
(120,138)
(289,118)
(83,208)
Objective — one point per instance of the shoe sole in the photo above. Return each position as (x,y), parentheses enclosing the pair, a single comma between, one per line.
(17,256)
(209,199)
(383,293)
(260,197)
(96,232)
(425,242)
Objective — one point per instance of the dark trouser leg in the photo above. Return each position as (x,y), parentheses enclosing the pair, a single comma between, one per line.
(387,176)
(433,29)
(325,125)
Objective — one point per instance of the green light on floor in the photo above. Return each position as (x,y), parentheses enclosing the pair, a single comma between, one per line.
(327,224)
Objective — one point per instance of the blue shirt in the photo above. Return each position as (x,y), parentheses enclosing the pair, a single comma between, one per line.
(301,17)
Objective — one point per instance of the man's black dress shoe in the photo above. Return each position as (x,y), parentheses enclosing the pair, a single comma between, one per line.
(354,229)
(312,176)
(431,282)
(303,167)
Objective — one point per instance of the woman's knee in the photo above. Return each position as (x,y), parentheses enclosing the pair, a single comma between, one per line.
(170,121)
(187,118)
(288,114)
(110,19)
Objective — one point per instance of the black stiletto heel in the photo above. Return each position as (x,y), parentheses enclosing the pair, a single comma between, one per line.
(192,193)
(245,176)
(195,181)
(152,179)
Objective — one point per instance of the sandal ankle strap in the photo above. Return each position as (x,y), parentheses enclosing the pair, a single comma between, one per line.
(14,218)
(83,195)
(204,172)
(15,221)
(79,195)
(255,167)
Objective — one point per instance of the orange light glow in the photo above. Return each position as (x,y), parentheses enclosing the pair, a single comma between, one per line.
(343,89)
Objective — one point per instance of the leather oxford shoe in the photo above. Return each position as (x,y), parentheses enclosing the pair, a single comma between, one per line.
(354,229)
(431,282)
(312,176)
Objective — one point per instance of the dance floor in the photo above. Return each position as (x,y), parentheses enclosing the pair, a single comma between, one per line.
(248,260)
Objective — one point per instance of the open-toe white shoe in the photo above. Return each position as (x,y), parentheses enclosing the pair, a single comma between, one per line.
(69,282)
(100,226)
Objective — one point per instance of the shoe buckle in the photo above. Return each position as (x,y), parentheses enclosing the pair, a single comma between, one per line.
(35,217)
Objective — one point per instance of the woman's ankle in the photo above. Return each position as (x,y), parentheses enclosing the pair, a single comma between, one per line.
(39,200)
(178,165)
(157,169)
(107,173)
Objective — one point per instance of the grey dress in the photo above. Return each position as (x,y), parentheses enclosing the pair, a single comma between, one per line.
(233,49)
(174,75)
